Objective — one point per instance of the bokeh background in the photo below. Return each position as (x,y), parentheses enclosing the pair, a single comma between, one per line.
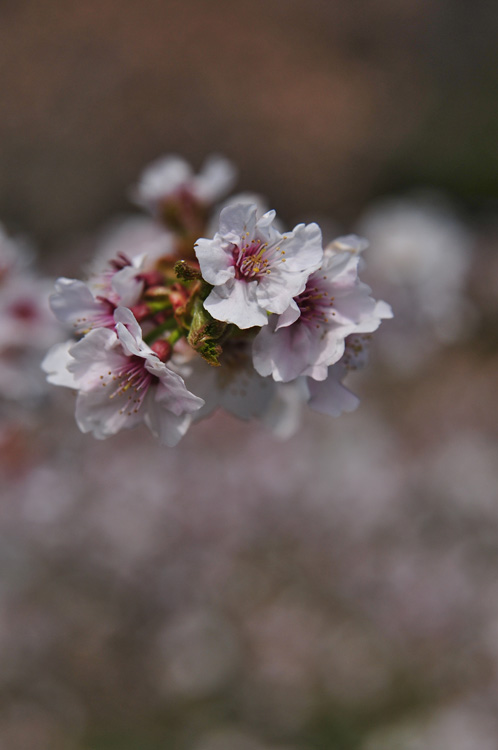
(337,591)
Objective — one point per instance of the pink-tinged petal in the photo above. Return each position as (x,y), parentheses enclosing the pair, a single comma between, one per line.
(238,218)
(331,397)
(303,248)
(276,291)
(55,365)
(215,261)
(236,302)
(125,316)
(216,178)
(353,306)
(343,267)
(95,358)
(74,304)
(129,342)
(172,393)
(283,354)
(166,426)
(289,316)
(105,414)
(127,286)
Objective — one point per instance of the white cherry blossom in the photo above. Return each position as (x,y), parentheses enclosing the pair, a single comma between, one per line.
(121,382)
(84,306)
(254,269)
(309,336)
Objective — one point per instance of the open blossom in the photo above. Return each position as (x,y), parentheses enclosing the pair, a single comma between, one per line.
(122,382)
(26,321)
(310,335)
(84,306)
(254,269)
(171,178)
(421,254)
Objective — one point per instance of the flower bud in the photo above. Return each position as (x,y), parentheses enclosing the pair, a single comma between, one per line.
(140,311)
(162,349)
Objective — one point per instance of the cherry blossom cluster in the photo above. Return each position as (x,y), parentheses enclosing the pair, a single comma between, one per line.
(203,306)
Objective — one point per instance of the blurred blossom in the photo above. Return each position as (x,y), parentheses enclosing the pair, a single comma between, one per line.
(171,179)
(419,258)
(27,326)
(196,655)
(132,236)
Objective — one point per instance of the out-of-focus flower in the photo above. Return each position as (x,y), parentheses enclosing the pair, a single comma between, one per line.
(27,327)
(170,191)
(253,268)
(132,236)
(418,242)
(419,257)
(26,320)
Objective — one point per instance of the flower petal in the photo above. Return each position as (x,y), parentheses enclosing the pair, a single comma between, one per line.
(236,302)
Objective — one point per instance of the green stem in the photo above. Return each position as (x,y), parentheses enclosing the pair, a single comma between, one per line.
(150,337)
(175,336)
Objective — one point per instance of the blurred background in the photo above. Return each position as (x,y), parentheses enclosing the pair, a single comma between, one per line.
(336,591)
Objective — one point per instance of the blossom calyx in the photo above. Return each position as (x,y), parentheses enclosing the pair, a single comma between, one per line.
(205,333)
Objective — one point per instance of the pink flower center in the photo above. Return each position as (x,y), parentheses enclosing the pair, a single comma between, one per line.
(131,378)
(316,304)
(103,318)
(250,260)
(24,310)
